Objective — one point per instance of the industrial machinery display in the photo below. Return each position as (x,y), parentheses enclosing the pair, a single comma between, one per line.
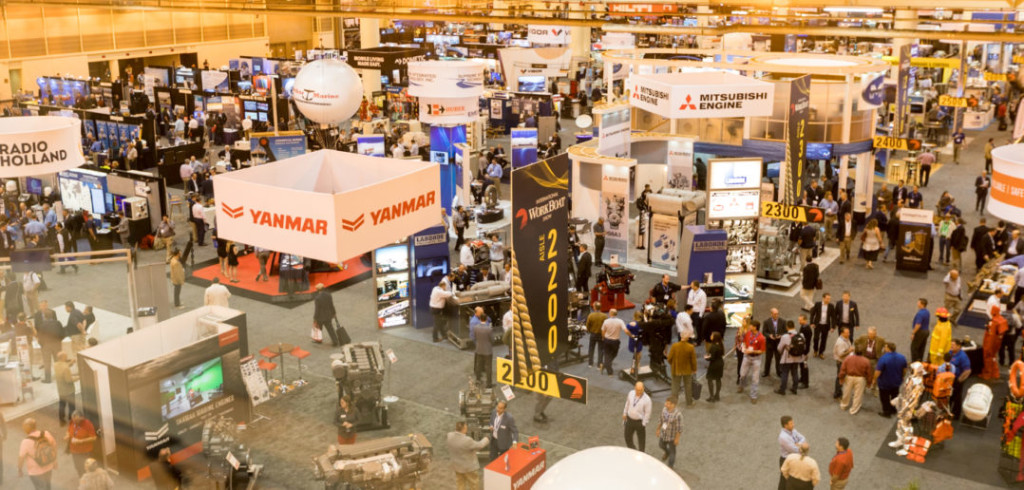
(226,456)
(359,373)
(490,212)
(780,262)
(667,213)
(476,403)
(493,296)
(387,463)
(612,287)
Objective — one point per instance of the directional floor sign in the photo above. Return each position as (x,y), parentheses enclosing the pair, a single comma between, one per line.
(557,385)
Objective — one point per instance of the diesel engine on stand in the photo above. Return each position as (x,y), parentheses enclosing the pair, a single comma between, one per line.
(476,404)
(359,373)
(221,438)
(386,463)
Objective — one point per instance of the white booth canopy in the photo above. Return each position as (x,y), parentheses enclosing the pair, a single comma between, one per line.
(1006,198)
(38,145)
(701,95)
(328,205)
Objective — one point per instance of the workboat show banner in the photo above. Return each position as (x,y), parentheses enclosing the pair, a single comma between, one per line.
(37,145)
(680,164)
(701,95)
(613,131)
(902,87)
(544,34)
(271,147)
(524,146)
(327,205)
(540,208)
(615,211)
(796,138)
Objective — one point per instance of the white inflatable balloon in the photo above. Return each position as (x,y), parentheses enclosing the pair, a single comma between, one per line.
(584,121)
(327,91)
(610,467)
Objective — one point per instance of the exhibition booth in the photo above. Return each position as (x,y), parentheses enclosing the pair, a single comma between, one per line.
(156,387)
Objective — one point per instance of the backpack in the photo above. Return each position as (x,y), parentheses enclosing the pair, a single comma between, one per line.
(797,345)
(44,453)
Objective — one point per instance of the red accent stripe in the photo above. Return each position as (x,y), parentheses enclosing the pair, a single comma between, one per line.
(144,473)
(228,337)
(187,453)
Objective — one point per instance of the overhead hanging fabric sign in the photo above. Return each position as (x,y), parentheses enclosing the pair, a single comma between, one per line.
(36,145)
(796,138)
(701,95)
(518,62)
(449,110)
(544,34)
(613,132)
(446,79)
(327,205)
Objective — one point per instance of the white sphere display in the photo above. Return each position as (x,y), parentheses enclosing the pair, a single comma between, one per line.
(327,91)
(610,467)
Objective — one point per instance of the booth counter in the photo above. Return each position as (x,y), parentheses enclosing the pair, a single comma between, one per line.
(978,120)
(156,387)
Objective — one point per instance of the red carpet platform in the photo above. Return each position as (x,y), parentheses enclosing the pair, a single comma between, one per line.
(352,271)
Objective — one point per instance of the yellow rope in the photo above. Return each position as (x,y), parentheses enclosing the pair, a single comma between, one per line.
(522,326)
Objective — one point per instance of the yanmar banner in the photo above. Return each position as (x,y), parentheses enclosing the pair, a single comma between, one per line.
(37,145)
(460,110)
(327,205)
(540,216)
(543,34)
(446,79)
(700,95)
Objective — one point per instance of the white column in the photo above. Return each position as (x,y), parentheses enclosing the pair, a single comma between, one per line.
(579,43)
(903,19)
(845,138)
(369,33)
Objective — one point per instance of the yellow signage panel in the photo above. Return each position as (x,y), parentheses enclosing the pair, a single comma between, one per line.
(950,101)
(1019,59)
(994,77)
(893,143)
(792,212)
(556,385)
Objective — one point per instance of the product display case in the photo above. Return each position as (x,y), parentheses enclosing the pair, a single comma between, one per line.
(391,276)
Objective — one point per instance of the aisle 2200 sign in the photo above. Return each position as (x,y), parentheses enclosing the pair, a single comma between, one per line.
(557,385)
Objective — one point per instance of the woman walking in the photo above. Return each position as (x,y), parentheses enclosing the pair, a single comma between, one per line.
(232,262)
(716,364)
(871,242)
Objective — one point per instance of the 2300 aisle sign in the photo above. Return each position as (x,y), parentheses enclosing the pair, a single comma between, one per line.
(792,212)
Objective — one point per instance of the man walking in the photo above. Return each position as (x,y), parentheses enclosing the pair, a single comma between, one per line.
(75,327)
(669,429)
(792,351)
(854,374)
(438,300)
(842,348)
(177,277)
(981,185)
(889,373)
(599,240)
(612,330)
(698,299)
(808,283)
(773,328)
(462,449)
(459,222)
(958,243)
(480,332)
(953,296)
(323,313)
(37,455)
(50,333)
(962,364)
(65,388)
(841,465)
(919,335)
(682,357)
(822,317)
(199,220)
(497,255)
(635,416)
(583,267)
(790,442)
(595,322)
(217,294)
(165,236)
(847,314)
(753,345)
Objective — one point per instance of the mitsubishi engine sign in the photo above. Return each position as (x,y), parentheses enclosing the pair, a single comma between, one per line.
(701,95)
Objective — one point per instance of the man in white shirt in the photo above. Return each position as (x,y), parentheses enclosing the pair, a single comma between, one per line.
(199,221)
(185,171)
(698,299)
(414,149)
(684,323)
(635,416)
(994,299)
(466,256)
(497,256)
(216,294)
(611,332)
(953,295)
(438,299)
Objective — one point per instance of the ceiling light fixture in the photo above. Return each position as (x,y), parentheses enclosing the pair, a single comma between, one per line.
(854,10)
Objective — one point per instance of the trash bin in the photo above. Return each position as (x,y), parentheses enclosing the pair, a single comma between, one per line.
(146,316)
(575,108)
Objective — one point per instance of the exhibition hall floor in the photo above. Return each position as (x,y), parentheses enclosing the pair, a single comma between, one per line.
(727,445)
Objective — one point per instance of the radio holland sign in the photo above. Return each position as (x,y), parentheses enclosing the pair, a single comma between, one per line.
(446,79)
(37,145)
(701,95)
(327,205)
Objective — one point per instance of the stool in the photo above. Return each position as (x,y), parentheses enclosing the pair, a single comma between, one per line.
(265,352)
(267,366)
(176,202)
(299,354)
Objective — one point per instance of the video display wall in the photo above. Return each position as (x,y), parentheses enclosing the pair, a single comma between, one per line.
(58,91)
(392,279)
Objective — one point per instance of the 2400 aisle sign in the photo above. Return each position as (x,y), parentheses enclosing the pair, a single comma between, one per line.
(557,385)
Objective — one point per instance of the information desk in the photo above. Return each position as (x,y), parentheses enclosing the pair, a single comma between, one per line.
(974,314)
(519,468)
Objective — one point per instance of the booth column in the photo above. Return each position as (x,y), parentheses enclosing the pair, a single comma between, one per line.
(902,19)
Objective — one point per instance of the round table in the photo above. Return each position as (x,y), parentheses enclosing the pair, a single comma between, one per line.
(281,349)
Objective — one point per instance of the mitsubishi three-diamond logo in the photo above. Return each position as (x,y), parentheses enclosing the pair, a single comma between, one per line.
(232,212)
(353,225)
(688,104)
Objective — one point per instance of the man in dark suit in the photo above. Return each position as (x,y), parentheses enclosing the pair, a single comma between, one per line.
(50,333)
(899,194)
(844,204)
(504,433)
(583,267)
(813,193)
(323,312)
(987,248)
(773,329)
(823,320)
(977,236)
(981,185)
(714,321)
(845,232)
(847,314)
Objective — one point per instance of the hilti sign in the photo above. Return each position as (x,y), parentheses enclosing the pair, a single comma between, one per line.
(701,95)
(327,205)
(558,35)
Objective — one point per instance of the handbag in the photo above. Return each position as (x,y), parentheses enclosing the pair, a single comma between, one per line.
(818,284)
(316,333)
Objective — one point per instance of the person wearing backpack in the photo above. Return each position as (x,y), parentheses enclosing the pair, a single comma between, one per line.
(959,243)
(792,352)
(37,455)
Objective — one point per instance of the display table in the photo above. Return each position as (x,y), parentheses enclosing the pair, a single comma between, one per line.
(977,120)
(974,314)
(519,468)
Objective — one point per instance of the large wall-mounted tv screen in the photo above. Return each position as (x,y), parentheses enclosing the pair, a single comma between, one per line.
(191,388)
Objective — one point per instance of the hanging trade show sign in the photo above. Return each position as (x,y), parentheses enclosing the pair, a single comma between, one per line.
(456,79)
(796,138)
(615,211)
(540,216)
(461,110)
(1006,197)
(524,146)
(271,147)
(613,132)
(951,101)
(679,166)
(792,212)
(37,145)
(327,205)
(701,95)
(902,87)
(545,34)
(520,62)
(872,93)
(893,143)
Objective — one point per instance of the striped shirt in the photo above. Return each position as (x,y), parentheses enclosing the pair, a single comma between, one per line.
(671,424)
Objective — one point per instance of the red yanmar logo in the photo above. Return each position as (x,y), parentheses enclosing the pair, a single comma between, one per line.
(353,225)
(688,104)
(232,212)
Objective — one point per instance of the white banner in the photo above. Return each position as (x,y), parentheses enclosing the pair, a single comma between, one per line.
(680,164)
(544,34)
(327,205)
(449,111)
(664,241)
(214,81)
(701,95)
(613,133)
(520,62)
(618,40)
(38,145)
(615,211)
(446,79)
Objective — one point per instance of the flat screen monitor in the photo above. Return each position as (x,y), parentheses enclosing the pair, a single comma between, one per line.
(98,201)
(773,170)
(263,106)
(392,259)
(30,260)
(532,83)
(191,388)
(34,186)
(249,105)
(263,116)
(245,86)
(432,267)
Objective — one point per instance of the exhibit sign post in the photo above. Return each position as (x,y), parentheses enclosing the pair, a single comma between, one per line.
(914,247)
(664,241)
(796,139)
(680,164)
(524,147)
(614,208)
